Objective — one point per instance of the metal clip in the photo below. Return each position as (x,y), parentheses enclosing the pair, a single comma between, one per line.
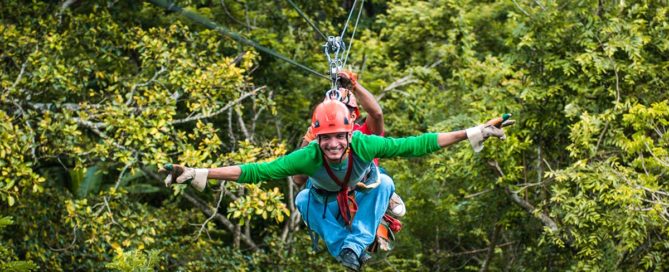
(333,94)
(334,45)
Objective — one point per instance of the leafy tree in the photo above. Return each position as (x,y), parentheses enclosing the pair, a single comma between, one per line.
(95,95)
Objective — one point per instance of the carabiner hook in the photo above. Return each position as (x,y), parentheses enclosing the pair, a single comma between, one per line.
(333,94)
(334,45)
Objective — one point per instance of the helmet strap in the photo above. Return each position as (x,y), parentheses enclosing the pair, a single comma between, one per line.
(346,149)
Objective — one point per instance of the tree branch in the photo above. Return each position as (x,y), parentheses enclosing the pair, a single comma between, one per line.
(257,115)
(220,218)
(475,251)
(111,215)
(23,70)
(42,107)
(63,7)
(242,126)
(237,234)
(521,9)
(218,205)
(95,128)
(229,105)
(225,8)
(71,245)
(545,219)
(666,164)
(540,5)
(120,176)
(406,80)
(230,133)
(527,185)
(291,206)
(491,249)
(477,193)
(134,87)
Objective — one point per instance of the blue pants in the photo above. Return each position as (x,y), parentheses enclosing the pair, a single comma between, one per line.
(327,223)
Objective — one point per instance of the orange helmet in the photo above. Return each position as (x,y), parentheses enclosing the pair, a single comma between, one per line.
(331,116)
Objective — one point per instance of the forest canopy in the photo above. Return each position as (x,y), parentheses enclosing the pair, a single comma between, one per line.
(96,95)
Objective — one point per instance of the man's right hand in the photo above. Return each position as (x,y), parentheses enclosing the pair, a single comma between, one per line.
(180,174)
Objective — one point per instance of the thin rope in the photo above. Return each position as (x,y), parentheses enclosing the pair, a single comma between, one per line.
(347,20)
(307,19)
(210,24)
(350,43)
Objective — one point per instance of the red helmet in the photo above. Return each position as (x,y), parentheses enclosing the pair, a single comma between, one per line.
(331,116)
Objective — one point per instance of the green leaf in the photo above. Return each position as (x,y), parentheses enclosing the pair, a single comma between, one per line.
(88,183)
(5,221)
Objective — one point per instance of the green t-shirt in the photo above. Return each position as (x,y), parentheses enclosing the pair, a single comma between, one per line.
(309,159)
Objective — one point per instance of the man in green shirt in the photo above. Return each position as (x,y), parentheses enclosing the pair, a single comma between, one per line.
(346,218)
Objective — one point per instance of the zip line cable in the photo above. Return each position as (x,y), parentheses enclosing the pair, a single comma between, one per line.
(347,20)
(350,42)
(307,19)
(336,45)
(212,25)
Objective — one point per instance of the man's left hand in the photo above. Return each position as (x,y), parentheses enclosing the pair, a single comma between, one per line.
(349,79)
(480,133)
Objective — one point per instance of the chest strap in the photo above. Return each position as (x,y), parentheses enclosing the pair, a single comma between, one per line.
(347,205)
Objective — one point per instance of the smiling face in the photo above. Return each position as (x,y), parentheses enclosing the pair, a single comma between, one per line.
(332,125)
(334,145)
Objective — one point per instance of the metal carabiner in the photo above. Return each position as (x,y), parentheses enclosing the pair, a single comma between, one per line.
(334,45)
(333,94)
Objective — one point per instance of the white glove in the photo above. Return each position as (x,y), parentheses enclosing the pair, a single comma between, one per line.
(396,207)
(196,176)
(480,133)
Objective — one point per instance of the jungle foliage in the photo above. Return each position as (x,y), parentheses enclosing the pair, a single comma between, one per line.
(96,95)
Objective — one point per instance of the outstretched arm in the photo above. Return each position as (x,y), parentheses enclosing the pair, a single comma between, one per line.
(302,161)
(449,138)
(477,134)
(373,146)
(198,176)
(231,173)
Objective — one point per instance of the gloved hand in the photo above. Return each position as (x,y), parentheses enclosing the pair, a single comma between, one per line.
(348,79)
(309,136)
(493,127)
(180,174)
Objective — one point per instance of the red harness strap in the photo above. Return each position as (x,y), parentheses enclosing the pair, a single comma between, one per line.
(394,224)
(347,205)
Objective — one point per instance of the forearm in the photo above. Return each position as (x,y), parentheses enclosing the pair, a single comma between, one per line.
(372,107)
(449,138)
(368,101)
(230,173)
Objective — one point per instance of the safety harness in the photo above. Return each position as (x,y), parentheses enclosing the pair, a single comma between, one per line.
(346,202)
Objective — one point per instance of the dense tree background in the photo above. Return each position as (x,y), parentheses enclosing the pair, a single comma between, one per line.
(95,95)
